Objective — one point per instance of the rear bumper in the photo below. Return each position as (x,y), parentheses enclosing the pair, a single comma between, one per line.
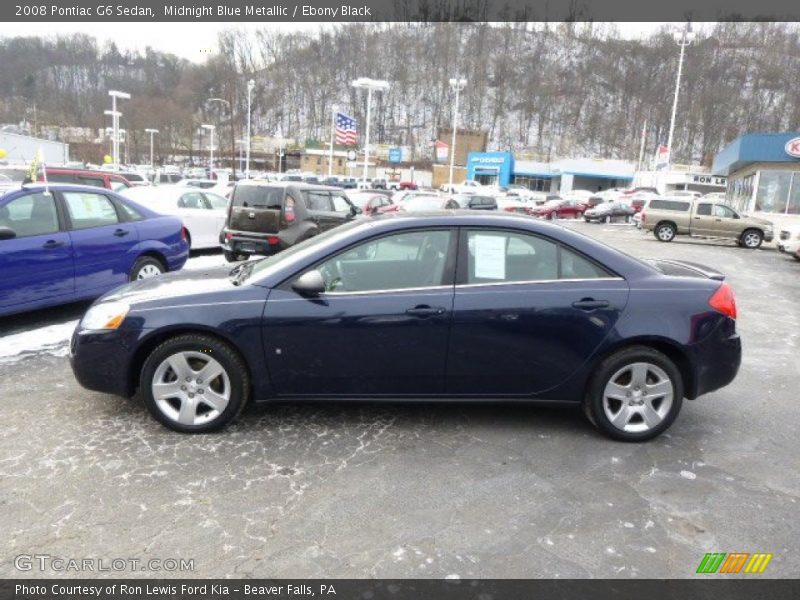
(716,360)
(240,242)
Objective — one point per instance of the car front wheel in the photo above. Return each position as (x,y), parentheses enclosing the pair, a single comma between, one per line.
(194,383)
(146,267)
(634,395)
(751,239)
(235,256)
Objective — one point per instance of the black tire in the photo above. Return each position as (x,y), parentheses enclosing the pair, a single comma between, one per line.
(593,403)
(751,239)
(144,266)
(204,345)
(665,232)
(235,256)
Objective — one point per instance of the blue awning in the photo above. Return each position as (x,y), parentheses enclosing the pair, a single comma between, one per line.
(753,148)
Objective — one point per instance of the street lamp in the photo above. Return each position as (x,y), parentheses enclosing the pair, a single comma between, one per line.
(685,39)
(115,120)
(457,85)
(152,132)
(211,129)
(370,85)
(279,135)
(250,85)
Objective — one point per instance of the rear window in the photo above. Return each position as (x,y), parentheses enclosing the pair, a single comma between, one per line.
(669,205)
(253,196)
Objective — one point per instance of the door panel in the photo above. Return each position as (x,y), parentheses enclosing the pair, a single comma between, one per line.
(527,313)
(100,242)
(37,264)
(703,220)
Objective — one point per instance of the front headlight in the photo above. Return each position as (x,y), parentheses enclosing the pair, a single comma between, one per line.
(105,316)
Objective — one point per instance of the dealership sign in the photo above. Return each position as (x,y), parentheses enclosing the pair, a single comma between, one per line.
(793,147)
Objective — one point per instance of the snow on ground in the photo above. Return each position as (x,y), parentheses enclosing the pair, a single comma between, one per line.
(205,261)
(52,339)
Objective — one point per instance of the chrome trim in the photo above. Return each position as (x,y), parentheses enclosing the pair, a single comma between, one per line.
(145,309)
(391,290)
(474,285)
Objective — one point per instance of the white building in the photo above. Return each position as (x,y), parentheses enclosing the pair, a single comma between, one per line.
(23,148)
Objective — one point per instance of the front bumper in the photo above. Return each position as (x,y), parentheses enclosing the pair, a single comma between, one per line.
(769,236)
(102,361)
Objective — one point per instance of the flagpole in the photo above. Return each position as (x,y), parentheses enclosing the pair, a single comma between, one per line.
(334,108)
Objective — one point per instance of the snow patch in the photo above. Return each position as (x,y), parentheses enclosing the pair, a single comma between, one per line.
(52,339)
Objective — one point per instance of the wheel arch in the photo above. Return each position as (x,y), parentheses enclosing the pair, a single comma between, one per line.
(669,348)
(158,337)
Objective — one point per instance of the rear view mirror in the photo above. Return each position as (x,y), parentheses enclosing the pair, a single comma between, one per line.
(309,284)
(355,210)
(6,233)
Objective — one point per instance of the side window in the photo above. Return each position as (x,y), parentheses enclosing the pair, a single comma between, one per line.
(131,214)
(191,200)
(405,260)
(499,256)
(724,212)
(704,209)
(33,214)
(319,201)
(89,210)
(340,203)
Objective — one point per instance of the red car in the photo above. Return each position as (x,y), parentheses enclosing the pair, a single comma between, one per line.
(102,179)
(558,209)
(372,203)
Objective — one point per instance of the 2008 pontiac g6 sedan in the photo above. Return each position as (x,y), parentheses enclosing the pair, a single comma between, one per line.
(444,306)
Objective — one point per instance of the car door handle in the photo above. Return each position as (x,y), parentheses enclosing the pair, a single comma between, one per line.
(423,310)
(590,304)
(52,244)
(121,232)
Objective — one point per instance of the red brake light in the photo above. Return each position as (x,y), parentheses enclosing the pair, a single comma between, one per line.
(229,236)
(184,234)
(273,240)
(643,216)
(723,301)
(288,210)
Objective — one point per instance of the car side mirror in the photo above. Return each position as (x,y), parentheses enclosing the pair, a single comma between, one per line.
(354,210)
(6,233)
(309,284)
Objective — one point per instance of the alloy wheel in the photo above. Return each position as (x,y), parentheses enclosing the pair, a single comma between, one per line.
(148,271)
(638,397)
(752,240)
(191,388)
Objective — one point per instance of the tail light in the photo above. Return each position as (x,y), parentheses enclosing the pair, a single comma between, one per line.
(288,210)
(723,301)
(510,209)
(643,216)
(273,240)
(229,236)
(184,234)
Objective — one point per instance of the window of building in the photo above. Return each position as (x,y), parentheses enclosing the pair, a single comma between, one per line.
(537,184)
(773,191)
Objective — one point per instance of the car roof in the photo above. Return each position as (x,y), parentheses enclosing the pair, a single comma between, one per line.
(298,185)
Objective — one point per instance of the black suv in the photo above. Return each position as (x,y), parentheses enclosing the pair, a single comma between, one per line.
(265,218)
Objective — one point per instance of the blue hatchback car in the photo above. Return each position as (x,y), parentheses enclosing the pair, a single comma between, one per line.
(64,243)
(446,306)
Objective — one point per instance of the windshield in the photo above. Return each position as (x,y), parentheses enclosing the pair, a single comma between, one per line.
(261,267)
(217,201)
(552,203)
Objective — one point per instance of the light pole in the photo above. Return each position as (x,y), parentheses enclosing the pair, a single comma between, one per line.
(152,132)
(211,129)
(115,119)
(250,85)
(370,85)
(686,38)
(280,150)
(457,84)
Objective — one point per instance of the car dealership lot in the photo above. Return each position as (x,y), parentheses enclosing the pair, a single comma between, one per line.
(411,490)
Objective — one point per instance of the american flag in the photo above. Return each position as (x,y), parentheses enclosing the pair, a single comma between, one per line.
(346,129)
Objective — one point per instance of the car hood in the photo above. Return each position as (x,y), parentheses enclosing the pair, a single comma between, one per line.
(758,220)
(183,285)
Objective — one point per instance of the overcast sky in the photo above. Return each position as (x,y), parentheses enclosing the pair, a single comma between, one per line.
(195,40)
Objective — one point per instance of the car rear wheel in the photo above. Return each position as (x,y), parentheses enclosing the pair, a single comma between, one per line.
(665,232)
(146,267)
(235,256)
(194,383)
(751,239)
(635,394)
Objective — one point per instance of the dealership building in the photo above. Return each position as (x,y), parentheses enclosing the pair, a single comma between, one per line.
(763,171)
(558,177)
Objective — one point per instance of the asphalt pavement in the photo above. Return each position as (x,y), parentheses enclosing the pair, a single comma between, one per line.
(411,490)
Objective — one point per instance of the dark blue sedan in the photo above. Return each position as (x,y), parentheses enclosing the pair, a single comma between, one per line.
(456,306)
(65,243)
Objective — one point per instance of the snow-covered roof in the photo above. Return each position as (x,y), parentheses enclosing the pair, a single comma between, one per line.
(619,169)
